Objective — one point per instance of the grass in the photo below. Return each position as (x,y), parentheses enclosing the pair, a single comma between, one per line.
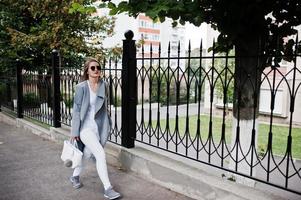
(13,115)
(37,122)
(280,133)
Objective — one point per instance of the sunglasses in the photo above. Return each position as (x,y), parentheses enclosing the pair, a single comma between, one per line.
(95,67)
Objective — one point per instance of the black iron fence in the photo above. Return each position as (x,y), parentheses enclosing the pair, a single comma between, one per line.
(45,93)
(37,95)
(186,107)
(8,92)
(182,104)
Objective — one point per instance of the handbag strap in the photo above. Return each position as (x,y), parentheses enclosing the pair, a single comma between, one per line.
(73,142)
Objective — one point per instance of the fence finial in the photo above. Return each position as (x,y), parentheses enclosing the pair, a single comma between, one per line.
(297,46)
(129,35)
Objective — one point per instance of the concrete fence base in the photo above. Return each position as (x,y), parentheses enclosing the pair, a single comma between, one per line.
(160,169)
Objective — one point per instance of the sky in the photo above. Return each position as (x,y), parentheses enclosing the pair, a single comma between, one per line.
(196,34)
(193,34)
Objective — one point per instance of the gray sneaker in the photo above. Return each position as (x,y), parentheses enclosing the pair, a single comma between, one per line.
(75,182)
(110,193)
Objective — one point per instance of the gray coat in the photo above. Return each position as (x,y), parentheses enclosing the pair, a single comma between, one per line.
(80,109)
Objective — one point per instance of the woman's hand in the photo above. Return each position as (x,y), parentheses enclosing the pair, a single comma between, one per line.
(75,138)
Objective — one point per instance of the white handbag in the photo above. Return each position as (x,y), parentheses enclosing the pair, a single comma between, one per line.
(71,153)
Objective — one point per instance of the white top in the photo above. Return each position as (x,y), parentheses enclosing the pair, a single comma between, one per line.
(89,122)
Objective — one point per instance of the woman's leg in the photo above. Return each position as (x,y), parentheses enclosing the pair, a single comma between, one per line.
(86,155)
(91,141)
(77,171)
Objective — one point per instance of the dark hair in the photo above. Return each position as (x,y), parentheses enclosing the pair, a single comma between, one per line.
(86,67)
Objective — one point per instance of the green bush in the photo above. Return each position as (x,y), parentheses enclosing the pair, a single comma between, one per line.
(2,90)
(2,93)
(162,93)
(115,101)
(31,100)
(68,100)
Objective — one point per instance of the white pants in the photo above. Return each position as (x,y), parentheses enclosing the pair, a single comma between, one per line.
(92,145)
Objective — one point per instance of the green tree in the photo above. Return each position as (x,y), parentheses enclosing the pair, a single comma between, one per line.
(30,29)
(252,26)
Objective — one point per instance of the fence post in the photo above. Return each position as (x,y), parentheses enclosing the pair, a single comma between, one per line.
(9,102)
(56,88)
(1,99)
(129,91)
(0,103)
(19,90)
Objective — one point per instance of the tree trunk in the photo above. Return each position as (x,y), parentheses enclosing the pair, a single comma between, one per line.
(248,69)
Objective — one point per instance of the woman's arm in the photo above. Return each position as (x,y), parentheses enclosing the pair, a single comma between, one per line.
(77,102)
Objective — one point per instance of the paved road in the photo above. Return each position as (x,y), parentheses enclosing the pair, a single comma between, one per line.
(30,169)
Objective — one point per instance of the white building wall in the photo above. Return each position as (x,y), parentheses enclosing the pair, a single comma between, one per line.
(175,36)
(284,85)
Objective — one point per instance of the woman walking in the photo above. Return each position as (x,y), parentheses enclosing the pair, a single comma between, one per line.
(91,124)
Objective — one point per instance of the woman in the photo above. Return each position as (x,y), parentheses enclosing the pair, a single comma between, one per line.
(91,123)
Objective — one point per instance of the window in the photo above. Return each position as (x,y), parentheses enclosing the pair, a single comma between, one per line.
(156,37)
(142,23)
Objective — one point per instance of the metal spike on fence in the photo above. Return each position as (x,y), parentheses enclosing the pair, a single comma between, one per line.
(104,62)
(201,48)
(296,46)
(213,46)
(110,63)
(201,45)
(159,50)
(189,52)
(168,55)
(201,53)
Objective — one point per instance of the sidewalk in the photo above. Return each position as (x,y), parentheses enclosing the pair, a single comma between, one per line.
(31,169)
